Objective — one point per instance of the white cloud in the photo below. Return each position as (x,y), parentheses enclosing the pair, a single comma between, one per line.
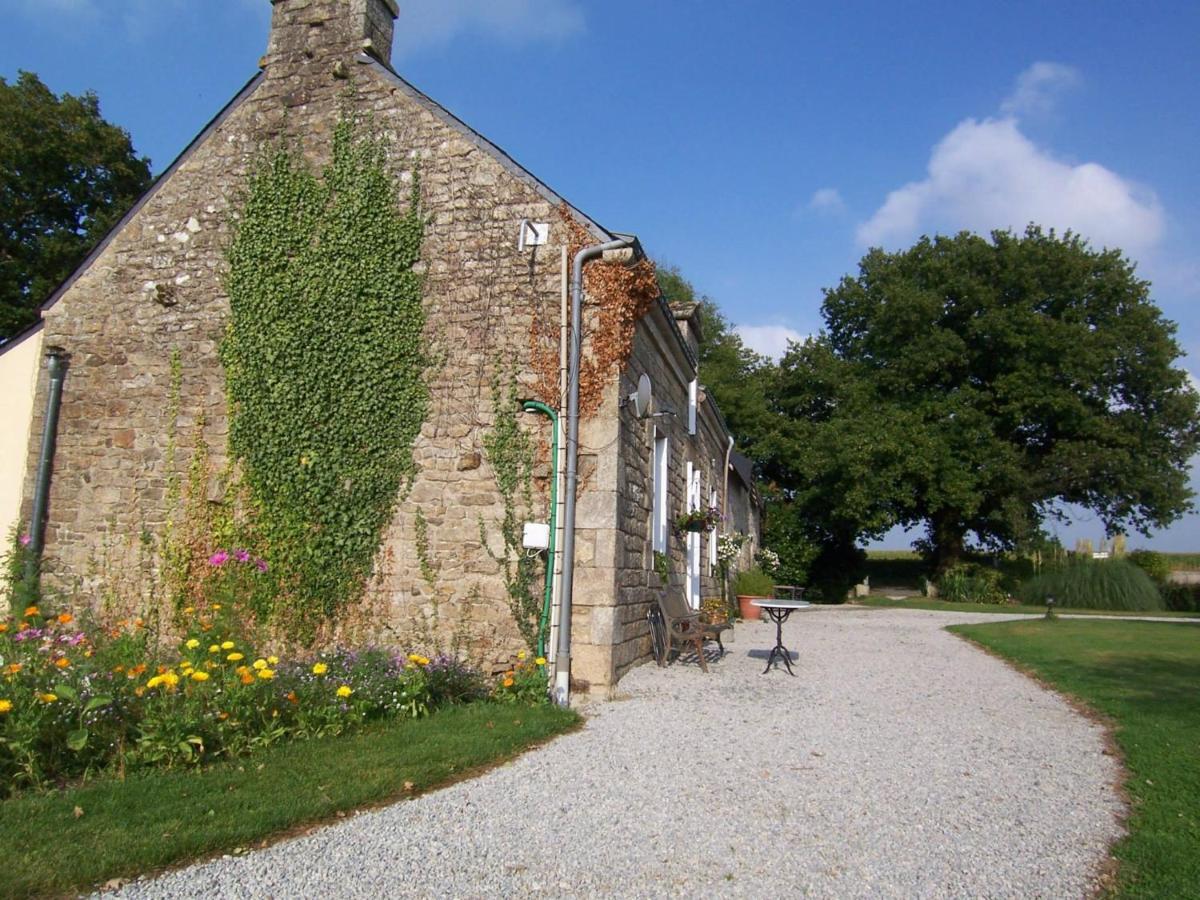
(1039,87)
(768,340)
(1194,382)
(425,23)
(827,200)
(987,174)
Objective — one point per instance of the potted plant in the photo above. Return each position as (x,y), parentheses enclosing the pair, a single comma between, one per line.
(752,584)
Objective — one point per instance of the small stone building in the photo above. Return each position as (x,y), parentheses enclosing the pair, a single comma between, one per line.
(143,317)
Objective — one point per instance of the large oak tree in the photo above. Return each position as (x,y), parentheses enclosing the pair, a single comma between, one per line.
(975,386)
(66,176)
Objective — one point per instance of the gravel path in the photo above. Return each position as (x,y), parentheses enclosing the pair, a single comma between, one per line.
(901,762)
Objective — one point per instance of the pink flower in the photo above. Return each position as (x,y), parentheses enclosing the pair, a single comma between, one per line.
(261,565)
(241,555)
(25,540)
(219,558)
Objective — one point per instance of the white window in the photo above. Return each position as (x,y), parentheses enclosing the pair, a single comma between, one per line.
(693,390)
(658,511)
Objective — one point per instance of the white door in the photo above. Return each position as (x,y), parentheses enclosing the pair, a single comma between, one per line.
(693,540)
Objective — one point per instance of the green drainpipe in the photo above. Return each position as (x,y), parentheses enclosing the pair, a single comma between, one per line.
(544,625)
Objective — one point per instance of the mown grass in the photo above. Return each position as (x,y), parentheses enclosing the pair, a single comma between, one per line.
(1009,609)
(1142,676)
(70,840)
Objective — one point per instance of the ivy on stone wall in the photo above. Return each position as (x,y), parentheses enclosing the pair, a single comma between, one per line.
(511,454)
(324,360)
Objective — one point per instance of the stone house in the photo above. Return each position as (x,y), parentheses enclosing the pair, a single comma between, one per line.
(144,315)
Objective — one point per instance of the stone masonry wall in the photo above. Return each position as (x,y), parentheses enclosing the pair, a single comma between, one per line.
(156,288)
(658,354)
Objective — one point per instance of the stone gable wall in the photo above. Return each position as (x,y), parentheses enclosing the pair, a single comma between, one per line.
(157,288)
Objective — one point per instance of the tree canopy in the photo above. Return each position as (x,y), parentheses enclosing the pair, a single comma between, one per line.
(66,176)
(975,385)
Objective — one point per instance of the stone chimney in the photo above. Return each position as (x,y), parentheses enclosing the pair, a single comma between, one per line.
(687,317)
(307,30)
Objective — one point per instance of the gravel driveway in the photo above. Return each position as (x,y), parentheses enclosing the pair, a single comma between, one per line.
(900,762)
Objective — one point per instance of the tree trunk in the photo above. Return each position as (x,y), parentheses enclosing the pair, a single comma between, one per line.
(948,535)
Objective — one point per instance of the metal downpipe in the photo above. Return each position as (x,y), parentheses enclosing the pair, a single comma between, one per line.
(544,622)
(562,662)
(56,363)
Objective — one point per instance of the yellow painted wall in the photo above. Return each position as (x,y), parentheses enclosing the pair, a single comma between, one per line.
(19,365)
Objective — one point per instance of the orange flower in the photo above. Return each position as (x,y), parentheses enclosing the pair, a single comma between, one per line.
(62,662)
(223,716)
(13,668)
(32,611)
(139,690)
(291,695)
(138,622)
(118,668)
(247,678)
(64,618)
(137,670)
(508,682)
(3,627)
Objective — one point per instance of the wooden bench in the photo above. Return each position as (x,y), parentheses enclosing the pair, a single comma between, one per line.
(682,628)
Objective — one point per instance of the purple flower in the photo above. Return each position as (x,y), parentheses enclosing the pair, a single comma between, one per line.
(25,540)
(261,565)
(241,555)
(219,558)
(28,634)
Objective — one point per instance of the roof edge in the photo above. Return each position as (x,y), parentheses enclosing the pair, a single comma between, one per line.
(214,123)
(22,336)
(509,164)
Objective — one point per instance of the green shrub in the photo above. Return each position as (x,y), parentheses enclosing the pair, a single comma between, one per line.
(1156,565)
(1182,597)
(971,583)
(1095,584)
(753,582)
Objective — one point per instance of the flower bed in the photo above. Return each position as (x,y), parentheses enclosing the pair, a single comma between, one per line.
(78,699)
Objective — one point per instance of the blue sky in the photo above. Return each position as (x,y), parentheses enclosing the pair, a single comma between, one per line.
(761,146)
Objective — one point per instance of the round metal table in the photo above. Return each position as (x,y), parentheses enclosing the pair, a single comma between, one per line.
(779,610)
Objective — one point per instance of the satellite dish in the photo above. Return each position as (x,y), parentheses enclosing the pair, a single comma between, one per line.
(642,398)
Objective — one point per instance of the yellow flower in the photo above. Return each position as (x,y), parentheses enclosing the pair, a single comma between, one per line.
(216,607)
(170,679)
(199,676)
(214,649)
(320,669)
(48,698)
(188,610)
(266,674)
(521,655)
(344,691)
(419,659)
(227,645)
(273,660)
(541,660)
(192,644)
(32,611)
(234,657)
(5,706)
(260,664)
(154,682)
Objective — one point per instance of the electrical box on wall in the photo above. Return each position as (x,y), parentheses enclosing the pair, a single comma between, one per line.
(532,234)
(537,536)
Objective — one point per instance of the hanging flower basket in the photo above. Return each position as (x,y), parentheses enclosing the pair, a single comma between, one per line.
(698,520)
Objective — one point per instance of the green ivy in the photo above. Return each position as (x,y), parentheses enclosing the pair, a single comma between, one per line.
(511,453)
(324,361)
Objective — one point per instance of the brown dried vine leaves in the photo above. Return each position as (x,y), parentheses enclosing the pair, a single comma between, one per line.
(618,298)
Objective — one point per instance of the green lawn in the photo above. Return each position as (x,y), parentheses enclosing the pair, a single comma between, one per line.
(1144,677)
(946,606)
(66,841)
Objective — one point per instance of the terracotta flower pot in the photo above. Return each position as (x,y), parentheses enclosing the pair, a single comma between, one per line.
(749,611)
